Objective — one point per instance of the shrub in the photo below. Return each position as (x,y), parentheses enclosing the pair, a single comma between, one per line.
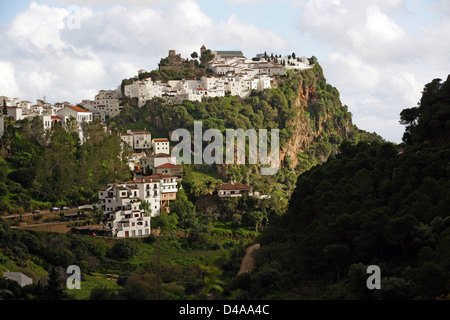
(123,250)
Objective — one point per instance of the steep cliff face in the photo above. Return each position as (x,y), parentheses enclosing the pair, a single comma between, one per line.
(320,117)
(303,131)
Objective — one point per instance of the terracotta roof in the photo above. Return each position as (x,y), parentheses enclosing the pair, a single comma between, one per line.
(161,140)
(234,186)
(160,176)
(167,166)
(78,109)
(160,155)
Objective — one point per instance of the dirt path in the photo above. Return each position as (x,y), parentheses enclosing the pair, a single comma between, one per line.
(248,263)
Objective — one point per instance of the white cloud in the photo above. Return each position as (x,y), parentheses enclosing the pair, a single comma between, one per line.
(382,26)
(8,83)
(352,69)
(112,44)
(378,59)
(37,29)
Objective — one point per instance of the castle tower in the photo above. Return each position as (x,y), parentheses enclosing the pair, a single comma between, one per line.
(202,49)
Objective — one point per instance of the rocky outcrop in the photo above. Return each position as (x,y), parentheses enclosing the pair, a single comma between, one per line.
(305,129)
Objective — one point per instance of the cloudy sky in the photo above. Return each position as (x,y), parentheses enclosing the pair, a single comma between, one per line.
(379,54)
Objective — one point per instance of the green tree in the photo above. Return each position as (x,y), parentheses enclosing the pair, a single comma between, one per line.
(123,249)
(54,287)
(5,108)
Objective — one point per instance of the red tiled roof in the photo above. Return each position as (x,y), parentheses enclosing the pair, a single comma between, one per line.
(167,166)
(234,186)
(78,109)
(160,155)
(160,176)
(161,140)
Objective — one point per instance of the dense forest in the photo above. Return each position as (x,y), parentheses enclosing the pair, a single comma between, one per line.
(373,204)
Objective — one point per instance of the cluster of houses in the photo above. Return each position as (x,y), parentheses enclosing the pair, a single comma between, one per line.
(107,104)
(233,73)
(156,186)
(129,206)
(57,115)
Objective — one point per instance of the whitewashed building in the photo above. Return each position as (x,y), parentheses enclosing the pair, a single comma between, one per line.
(121,206)
(19,277)
(155,160)
(157,189)
(137,139)
(161,145)
(234,189)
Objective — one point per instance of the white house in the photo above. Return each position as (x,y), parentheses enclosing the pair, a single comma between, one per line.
(234,189)
(79,114)
(122,210)
(169,169)
(161,146)
(16,113)
(107,103)
(19,277)
(157,189)
(155,160)
(137,139)
(139,90)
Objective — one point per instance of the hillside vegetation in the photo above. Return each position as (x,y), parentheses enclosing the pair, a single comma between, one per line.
(373,204)
(204,236)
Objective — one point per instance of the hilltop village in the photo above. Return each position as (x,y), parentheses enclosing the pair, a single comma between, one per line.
(128,206)
(230,73)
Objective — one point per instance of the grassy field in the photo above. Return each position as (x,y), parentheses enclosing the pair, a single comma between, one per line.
(92,281)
